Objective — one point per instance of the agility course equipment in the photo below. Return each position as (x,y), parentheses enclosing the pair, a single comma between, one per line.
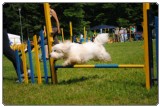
(71,31)
(103,66)
(84,33)
(53,68)
(82,40)
(157,48)
(62,34)
(147,55)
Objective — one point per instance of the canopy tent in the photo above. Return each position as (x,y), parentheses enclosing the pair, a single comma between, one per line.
(14,39)
(103,27)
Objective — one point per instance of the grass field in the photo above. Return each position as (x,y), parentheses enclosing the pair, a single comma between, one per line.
(87,86)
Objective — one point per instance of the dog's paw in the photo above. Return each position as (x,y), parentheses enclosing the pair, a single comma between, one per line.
(66,63)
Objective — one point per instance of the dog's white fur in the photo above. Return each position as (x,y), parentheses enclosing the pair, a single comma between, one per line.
(75,53)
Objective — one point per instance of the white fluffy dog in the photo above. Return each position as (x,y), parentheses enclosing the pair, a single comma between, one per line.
(74,53)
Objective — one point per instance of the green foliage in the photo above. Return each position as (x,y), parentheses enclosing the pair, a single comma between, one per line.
(81,14)
(74,11)
(122,22)
(90,33)
(108,6)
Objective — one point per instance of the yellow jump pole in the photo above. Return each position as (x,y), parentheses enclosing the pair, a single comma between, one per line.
(45,34)
(131,66)
(71,31)
(84,33)
(24,63)
(95,32)
(37,59)
(50,40)
(146,50)
(62,35)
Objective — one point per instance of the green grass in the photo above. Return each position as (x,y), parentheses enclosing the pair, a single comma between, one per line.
(87,86)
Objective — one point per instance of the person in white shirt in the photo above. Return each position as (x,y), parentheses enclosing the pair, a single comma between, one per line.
(121,34)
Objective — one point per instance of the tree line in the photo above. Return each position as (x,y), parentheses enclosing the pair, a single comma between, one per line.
(80,14)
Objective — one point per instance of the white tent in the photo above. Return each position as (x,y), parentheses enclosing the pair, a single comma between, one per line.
(14,39)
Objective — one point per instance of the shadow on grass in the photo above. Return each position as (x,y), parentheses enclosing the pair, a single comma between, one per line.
(126,83)
(9,78)
(75,80)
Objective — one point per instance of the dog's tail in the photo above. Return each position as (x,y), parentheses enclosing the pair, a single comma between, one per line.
(102,38)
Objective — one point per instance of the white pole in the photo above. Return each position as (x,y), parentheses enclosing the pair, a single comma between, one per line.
(21,23)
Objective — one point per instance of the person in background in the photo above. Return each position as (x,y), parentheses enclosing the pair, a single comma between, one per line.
(55,29)
(121,34)
(81,38)
(125,34)
(132,32)
(93,37)
(7,51)
(74,39)
(139,31)
(128,34)
(116,34)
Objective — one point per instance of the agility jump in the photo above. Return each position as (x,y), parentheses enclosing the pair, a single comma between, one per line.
(54,68)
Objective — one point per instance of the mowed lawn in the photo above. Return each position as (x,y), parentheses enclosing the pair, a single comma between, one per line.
(87,86)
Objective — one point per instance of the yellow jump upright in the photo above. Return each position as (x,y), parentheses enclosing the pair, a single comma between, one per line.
(37,60)
(50,40)
(84,33)
(62,34)
(24,63)
(146,49)
(71,32)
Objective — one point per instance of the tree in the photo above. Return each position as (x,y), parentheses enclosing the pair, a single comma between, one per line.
(122,22)
(81,14)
